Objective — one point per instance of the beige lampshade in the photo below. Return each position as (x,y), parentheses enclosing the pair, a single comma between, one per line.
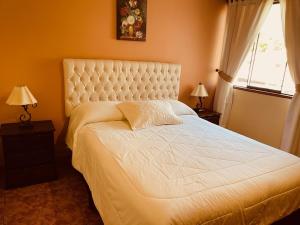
(21,95)
(199,91)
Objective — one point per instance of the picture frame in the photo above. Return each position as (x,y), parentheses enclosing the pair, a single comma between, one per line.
(131,20)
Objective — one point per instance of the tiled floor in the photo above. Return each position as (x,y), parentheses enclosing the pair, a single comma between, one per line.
(61,202)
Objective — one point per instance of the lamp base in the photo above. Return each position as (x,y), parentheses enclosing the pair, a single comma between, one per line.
(200,109)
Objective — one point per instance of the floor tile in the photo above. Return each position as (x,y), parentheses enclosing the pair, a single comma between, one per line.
(63,201)
(29,208)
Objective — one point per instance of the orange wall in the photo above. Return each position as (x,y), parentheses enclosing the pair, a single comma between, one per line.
(36,35)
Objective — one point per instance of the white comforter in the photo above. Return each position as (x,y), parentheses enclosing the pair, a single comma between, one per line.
(189,174)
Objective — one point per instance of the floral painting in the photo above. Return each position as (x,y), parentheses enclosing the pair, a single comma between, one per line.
(131,20)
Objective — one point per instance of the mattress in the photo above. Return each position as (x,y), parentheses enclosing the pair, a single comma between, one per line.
(188,174)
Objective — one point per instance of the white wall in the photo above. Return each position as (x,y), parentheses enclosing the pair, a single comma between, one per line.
(259,116)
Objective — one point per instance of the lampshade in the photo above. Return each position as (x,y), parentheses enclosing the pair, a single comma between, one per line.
(21,95)
(199,91)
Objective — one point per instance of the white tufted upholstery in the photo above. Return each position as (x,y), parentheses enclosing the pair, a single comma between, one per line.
(89,80)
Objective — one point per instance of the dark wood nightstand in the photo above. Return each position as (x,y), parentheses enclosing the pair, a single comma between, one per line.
(213,117)
(28,153)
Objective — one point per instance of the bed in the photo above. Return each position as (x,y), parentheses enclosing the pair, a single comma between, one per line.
(187,174)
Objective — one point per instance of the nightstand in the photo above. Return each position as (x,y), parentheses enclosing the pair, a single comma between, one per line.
(28,153)
(209,115)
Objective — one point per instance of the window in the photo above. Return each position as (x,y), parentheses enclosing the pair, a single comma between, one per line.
(265,66)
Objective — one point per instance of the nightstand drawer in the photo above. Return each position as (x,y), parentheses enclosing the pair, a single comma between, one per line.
(30,158)
(32,175)
(25,143)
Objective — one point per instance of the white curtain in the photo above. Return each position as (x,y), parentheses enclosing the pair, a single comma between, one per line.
(291,26)
(244,21)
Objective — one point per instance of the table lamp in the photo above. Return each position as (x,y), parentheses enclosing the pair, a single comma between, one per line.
(22,96)
(199,91)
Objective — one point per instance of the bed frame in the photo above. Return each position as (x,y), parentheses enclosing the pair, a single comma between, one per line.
(90,80)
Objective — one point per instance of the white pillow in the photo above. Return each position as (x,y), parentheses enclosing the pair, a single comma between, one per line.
(143,114)
(181,109)
(89,113)
(98,111)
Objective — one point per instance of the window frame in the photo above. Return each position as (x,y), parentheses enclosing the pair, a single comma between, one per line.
(264,92)
(260,90)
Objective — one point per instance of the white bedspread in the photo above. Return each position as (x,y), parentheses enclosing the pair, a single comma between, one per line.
(189,174)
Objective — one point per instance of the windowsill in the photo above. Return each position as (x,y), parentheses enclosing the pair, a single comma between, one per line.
(263,92)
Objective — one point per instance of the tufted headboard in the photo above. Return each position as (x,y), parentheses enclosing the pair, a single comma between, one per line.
(88,80)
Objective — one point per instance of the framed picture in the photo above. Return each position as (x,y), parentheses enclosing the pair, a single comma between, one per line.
(131,20)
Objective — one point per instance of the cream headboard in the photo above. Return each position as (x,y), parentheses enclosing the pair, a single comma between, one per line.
(89,80)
